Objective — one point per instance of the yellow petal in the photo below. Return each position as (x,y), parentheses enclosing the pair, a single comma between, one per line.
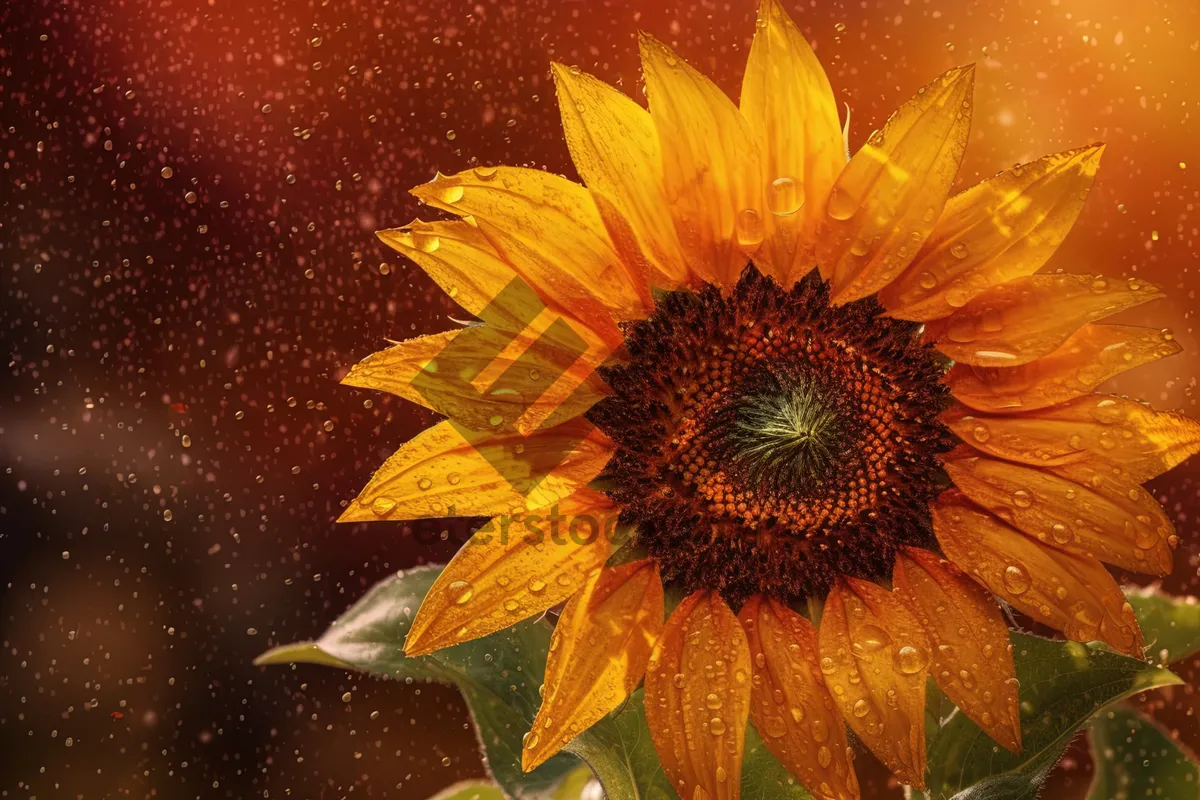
(513,568)
(1004,228)
(1091,356)
(1096,429)
(615,148)
(875,659)
(464,264)
(790,704)
(598,654)
(972,656)
(1117,486)
(887,199)
(549,230)
(477,375)
(1064,514)
(448,471)
(710,165)
(789,105)
(1070,593)
(1025,319)
(698,698)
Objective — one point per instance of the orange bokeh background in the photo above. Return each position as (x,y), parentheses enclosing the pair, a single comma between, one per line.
(189,265)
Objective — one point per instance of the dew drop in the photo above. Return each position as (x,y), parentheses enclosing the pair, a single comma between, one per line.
(749,229)
(462,591)
(911,659)
(383,506)
(450,194)
(784,197)
(1016,579)
(841,205)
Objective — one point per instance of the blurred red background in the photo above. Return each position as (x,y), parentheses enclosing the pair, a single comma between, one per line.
(190,190)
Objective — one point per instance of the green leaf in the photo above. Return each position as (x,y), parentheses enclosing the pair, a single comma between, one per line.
(1171,625)
(1062,685)
(499,675)
(1136,758)
(763,777)
(470,790)
(619,749)
(570,788)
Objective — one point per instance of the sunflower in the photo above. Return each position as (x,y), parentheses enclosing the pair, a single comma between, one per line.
(825,410)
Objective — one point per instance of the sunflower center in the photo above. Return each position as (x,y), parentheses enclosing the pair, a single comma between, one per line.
(768,441)
(784,437)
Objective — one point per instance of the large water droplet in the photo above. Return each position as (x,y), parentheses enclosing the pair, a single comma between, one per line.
(462,591)
(911,659)
(841,205)
(784,196)
(749,230)
(383,506)
(870,638)
(1016,579)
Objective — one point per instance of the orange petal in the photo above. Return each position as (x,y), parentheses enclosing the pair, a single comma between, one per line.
(1019,321)
(448,471)
(598,654)
(549,230)
(1070,593)
(789,105)
(875,659)
(972,656)
(614,145)
(698,698)
(1091,356)
(1096,429)
(710,165)
(1116,485)
(513,568)
(887,199)
(515,375)
(1004,228)
(463,262)
(790,704)
(1063,514)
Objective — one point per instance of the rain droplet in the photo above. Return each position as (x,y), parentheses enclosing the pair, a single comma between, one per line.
(749,229)
(462,591)
(841,205)
(783,197)
(382,506)
(911,659)
(1016,579)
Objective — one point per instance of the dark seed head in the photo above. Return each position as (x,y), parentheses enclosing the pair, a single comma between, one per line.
(768,442)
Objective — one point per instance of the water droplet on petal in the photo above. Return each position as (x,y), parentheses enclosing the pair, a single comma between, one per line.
(1016,579)
(784,197)
(749,229)
(911,659)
